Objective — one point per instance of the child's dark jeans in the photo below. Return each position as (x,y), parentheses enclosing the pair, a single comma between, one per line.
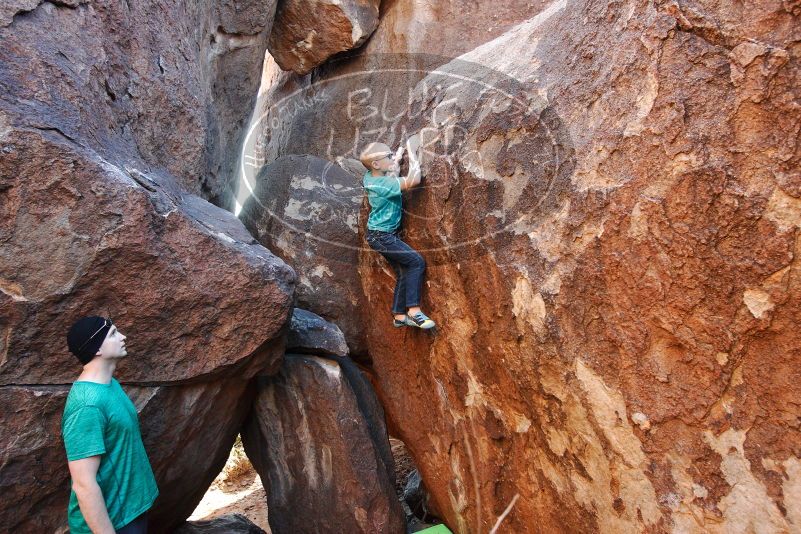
(408,265)
(137,526)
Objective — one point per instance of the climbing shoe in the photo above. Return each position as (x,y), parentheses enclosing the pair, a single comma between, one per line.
(420,320)
(403,322)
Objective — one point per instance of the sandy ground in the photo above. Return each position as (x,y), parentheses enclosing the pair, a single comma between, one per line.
(236,490)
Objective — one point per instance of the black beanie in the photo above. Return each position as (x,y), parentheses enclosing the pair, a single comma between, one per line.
(78,337)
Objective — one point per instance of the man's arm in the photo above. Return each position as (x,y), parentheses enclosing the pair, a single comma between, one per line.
(90,496)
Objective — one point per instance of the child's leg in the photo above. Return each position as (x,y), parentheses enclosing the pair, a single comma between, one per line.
(410,271)
(399,295)
(383,242)
(414,267)
(414,279)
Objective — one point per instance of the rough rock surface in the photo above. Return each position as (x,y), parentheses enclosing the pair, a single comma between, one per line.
(371,411)
(413,37)
(306,207)
(33,475)
(227,524)
(154,84)
(188,432)
(613,268)
(320,451)
(34,479)
(311,334)
(93,178)
(307,32)
(114,117)
(612,250)
(92,240)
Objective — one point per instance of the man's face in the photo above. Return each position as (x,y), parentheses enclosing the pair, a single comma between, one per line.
(114,345)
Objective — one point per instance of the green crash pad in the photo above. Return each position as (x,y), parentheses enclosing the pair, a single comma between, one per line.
(437,529)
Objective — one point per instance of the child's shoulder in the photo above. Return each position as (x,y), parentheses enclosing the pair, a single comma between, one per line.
(382,185)
(369,178)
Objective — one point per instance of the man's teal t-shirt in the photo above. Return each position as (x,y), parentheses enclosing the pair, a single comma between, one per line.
(384,194)
(100,419)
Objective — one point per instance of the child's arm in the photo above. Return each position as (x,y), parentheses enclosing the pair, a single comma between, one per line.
(415,175)
(413,178)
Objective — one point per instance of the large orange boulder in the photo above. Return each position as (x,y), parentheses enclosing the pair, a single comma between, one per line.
(609,217)
(611,245)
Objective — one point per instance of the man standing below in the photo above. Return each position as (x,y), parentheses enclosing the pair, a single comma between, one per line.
(113,485)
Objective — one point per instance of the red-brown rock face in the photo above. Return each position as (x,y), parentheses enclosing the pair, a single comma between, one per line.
(301,127)
(91,218)
(307,207)
(307,32)
(90,239)
(611,263)
(113,118)
(188,432)
(611,246)
(317,437)
(34,478)
(155,84)
(312,114)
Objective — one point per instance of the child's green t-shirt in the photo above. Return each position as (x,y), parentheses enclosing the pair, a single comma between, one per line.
(384,194)
(100,419)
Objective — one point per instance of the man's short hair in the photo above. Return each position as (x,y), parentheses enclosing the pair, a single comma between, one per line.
(373,152)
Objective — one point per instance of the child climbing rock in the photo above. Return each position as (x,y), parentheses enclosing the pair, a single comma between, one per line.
(384,187)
